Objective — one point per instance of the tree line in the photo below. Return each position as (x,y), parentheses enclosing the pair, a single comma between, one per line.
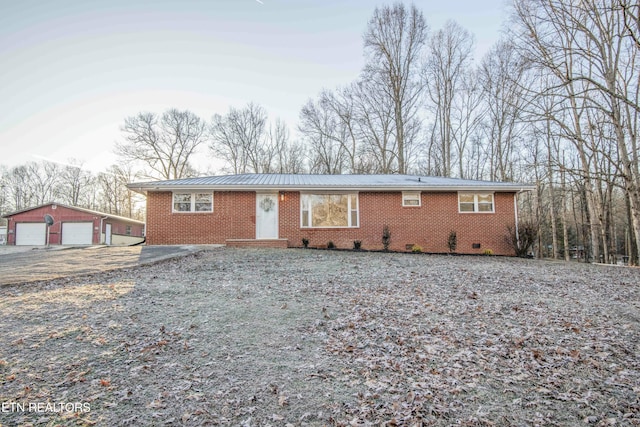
(555,102)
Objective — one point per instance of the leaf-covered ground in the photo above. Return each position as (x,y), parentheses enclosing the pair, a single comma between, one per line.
(259,337)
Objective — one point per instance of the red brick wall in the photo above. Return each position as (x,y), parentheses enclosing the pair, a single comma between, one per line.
(233,217)
(427,226)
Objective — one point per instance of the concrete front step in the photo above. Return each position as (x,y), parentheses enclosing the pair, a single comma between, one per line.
(257,243)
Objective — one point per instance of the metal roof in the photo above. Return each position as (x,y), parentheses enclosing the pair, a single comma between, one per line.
(310,182)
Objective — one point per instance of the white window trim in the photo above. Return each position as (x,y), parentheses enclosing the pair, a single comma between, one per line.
(193,202)
(411,195)
(324,193)
(475,202)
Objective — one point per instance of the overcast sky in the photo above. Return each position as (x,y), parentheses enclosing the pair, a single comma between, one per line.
(72,70)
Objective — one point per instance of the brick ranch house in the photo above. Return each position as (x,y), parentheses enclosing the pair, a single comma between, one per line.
(71,226)
(283,209)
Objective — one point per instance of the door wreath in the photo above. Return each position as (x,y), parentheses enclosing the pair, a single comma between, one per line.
(267,204)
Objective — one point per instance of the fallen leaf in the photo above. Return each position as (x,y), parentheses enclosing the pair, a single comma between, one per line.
(283,400)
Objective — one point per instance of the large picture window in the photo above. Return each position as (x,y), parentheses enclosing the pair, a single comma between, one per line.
(192,202)
(329,210)
(475,202)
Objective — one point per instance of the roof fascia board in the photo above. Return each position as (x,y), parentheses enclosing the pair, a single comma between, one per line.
(443,188)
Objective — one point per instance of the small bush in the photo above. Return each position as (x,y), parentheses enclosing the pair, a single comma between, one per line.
(386,237)
(357,244)
(522,238)
(331,245)
(305,242)
(487,252)
(452,241)
(416,249)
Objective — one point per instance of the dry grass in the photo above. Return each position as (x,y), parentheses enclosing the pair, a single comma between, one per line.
(308,337)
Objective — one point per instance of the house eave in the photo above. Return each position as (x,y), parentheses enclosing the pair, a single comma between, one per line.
(268,188)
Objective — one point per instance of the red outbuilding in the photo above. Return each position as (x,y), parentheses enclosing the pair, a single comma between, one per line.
(58,224)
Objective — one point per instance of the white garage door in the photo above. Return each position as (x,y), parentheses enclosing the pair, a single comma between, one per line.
(31,233)
(77,233)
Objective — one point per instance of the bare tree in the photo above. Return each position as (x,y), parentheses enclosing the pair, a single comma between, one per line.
(4,194)
(31,184)
(342,104)
(164,144)
(281,154)
(322,131)
(293,159)
(77,185)
(468,114)
(502,75)
(238,138)
(375,122)
(115,197)
(590,48)
(45,181)
(16,183)
(446,73)
(393,42)
(631,20)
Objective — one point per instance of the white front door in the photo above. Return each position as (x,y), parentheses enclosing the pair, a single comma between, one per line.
(267,216)
(107,234)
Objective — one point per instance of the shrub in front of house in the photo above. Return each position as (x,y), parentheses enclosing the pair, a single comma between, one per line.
(305,242)
(386,237)
(357,245)
(452,241)
(331,245)
(487,252)
(416,249)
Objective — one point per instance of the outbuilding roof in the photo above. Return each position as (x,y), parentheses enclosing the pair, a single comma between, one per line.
(89,211)
(311,182)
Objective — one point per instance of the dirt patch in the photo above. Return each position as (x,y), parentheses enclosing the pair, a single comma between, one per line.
(304,337)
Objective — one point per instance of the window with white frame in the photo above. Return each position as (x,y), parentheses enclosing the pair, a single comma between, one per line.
(193,202)
(329,210)
(475,202)
(411,198)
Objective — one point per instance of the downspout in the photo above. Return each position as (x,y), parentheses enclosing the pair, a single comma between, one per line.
(105,234)
(515,210)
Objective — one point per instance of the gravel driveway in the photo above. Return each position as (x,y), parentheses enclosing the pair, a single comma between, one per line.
(256,337)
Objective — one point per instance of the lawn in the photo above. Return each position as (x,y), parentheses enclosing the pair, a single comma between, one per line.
(258,337)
